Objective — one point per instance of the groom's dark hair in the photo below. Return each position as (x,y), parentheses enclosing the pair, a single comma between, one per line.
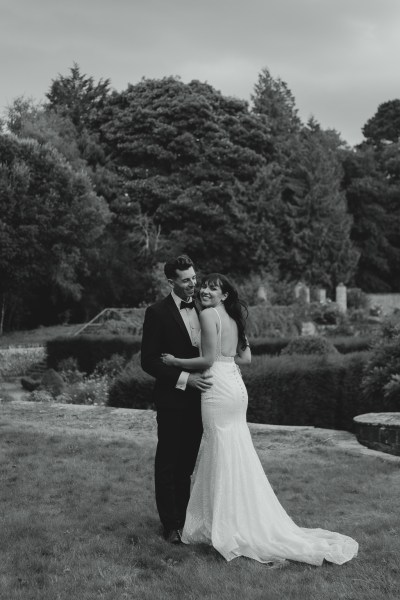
(180,263)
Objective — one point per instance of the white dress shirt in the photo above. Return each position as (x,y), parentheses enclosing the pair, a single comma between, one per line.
(192,324)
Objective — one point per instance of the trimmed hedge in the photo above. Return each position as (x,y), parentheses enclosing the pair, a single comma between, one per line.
(89,350)
(307,390)
(270,346)
(265,320)
(310,344)
(350,344)
(274,346)
(283,390)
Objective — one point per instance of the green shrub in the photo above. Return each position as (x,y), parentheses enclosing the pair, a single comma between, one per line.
(307,390)
(347,344)
(392,390)
(310,344)
(327,313)
(344,344)
(284,390)
(270,346)
(67,364)
(16,362)
(52,382)
(90,350)
(356,299)
(91,390)
(278,292)
(5,397)
(111,367)
(41,396)
(358,315)
(30,384)
(132,389)
(68,369)
(272,321)
(390,328)
(382,373)
(122,327)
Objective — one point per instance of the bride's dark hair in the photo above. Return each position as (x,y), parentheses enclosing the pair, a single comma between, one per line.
(235,307)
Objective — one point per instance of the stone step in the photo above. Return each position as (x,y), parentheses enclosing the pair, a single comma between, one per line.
(37,369)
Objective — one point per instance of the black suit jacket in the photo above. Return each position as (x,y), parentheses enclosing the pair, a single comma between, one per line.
(164,332)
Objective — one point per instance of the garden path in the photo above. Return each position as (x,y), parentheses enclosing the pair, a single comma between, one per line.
(140,426)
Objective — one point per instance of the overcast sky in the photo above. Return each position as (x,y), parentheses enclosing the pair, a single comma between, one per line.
(340,58)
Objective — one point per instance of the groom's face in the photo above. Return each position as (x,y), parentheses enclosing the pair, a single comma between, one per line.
(184,283)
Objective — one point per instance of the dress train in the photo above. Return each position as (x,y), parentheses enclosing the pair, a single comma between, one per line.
(232,504)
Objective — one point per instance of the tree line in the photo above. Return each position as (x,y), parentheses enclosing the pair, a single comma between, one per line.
(98,187)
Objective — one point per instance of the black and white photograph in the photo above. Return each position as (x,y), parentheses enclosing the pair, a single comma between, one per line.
(199,300)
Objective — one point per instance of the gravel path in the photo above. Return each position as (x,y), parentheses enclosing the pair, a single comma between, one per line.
(140,425)
(71,419)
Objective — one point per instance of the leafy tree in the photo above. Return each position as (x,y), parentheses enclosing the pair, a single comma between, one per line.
(384,126)
(314,223)
(273,100)
(80,103)
(70,120)
(27,119)
(118,276)
(303,210)
(79,98)
(372,183)
(50,218)
(373,191)
(21,109)
(265,229)
(189,157)
(303,207)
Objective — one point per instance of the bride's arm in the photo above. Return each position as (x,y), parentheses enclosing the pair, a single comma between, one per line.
(243,356)
(208,346)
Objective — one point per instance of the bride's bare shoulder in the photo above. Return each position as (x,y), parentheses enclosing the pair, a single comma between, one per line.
(208,317)
(208,314)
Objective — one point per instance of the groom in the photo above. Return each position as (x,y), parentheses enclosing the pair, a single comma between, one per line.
(172,326)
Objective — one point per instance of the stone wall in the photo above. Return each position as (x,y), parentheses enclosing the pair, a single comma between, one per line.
(388,302)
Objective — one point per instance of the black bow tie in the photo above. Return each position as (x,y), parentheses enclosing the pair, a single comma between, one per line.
(187,304)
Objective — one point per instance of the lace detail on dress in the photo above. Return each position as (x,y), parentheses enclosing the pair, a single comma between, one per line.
(232,504)
(222,358)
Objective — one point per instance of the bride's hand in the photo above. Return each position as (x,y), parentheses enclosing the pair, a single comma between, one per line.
(169,360)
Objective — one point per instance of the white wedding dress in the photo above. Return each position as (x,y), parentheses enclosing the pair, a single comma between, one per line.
(232,504)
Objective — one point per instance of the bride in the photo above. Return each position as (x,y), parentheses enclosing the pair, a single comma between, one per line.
(232,505)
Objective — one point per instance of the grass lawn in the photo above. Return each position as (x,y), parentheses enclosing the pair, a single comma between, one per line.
(79,520)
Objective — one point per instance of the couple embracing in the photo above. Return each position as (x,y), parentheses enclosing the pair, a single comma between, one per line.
(194,356)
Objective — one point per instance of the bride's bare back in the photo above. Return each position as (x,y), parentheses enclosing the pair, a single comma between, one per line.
(229,333)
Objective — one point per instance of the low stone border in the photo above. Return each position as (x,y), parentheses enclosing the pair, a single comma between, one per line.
(342,440)
(380,431)
(108,422)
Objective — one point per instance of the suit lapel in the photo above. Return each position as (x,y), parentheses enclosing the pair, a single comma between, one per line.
(197,307)
(174,311)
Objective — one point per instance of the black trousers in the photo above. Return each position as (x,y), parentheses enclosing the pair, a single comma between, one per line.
(179,436)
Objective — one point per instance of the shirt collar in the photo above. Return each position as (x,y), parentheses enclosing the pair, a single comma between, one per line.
(176,299)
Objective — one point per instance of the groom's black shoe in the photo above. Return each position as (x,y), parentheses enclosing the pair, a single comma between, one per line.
(173,536)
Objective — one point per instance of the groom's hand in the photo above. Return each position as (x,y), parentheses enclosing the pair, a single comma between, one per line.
(199,381)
